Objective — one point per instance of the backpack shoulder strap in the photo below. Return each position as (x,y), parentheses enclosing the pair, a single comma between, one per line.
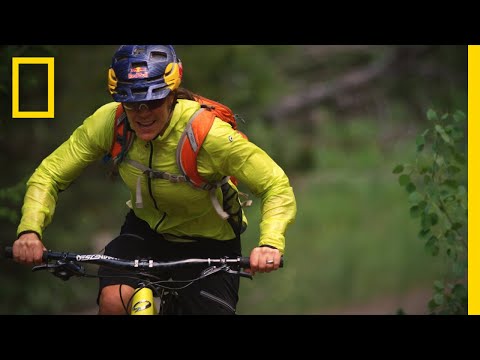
(190,144)
(122,137)
(221,111)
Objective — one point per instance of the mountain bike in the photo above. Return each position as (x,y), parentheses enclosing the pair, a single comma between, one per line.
(154,295)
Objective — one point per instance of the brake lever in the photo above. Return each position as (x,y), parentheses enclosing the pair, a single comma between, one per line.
(213,269)
(62,270)
(240,273)
(228,269)
(42,267)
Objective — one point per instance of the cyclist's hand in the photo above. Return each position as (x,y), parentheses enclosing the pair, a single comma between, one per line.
(28,249)
(261,259)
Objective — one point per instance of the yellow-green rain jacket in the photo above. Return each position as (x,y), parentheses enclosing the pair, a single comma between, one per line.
(176,209)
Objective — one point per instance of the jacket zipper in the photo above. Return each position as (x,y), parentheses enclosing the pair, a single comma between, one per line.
(150,191)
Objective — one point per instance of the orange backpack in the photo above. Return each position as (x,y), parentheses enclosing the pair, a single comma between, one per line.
(190,142)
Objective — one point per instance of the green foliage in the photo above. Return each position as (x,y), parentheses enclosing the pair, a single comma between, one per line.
(9,198)
(436,183)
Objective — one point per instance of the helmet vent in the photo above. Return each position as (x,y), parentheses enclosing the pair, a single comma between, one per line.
(139,50)
(154,91)
(158,56)
(141,91)
(139,64)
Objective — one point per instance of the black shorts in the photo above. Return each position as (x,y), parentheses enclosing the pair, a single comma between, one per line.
(216,294)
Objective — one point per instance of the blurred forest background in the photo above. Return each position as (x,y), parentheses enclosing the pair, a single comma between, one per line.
(336,118)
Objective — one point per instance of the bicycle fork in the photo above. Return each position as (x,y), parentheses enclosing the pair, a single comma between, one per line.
(143,302)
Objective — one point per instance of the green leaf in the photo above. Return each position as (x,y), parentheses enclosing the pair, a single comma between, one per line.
(443,134)
(450,236)
(420,142)
(423,233)
(415,197)
(444,116)
(432,115)
(433,218)
(438,285)
(403,179)
(398,169)
(425,169)
(410,187)
(449,198)
(432,245)
(438,298)
(459,116)
(439,161)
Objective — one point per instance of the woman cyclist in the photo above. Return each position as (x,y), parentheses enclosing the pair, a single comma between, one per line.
(166,220)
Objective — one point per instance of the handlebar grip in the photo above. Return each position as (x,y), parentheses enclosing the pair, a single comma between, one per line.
(245,262)
(9,252)
(45,256)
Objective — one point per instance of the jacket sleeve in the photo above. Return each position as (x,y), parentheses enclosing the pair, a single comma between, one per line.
(88,143)
(225,151)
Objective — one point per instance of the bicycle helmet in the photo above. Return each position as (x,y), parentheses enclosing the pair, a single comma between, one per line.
(144,72)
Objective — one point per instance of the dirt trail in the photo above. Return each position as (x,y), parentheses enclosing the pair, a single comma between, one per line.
(414,302)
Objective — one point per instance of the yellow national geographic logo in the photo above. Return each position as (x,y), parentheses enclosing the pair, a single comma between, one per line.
(16,113)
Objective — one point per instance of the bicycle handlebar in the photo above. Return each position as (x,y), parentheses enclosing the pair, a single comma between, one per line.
(140,264)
